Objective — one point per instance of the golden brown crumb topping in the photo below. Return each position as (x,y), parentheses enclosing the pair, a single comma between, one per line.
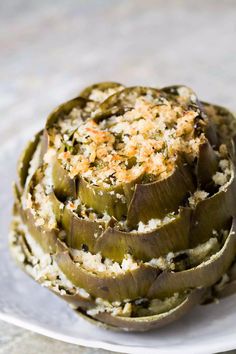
(144,140)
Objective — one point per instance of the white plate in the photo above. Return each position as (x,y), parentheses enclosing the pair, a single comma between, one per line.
(206,329)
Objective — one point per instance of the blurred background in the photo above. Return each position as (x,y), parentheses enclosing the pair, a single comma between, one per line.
(50,50)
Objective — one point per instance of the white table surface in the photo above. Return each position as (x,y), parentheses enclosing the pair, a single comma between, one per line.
(49,50)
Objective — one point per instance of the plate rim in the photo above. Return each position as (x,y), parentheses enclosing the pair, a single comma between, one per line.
(117,348)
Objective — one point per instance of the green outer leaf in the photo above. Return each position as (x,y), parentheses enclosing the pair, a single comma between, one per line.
(80,231)
(142,324)
(46,238)
(230,287)
(132,324)
(190,99)
(214,213)
(174,91)
(122,100)
(224,116)
(112,287)
(170,237)
(57,206)
(156,199)
(25,158)
(127,96)
(64,109)
(64,186)
(16,193)
(204,275)
(21,242)
(107,199)
(114,244)
(228,290)
(102,86)
(232,271)
(74,299)
(101,199)
(45,143)
(207,164)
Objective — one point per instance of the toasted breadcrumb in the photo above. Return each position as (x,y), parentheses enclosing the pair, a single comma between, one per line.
(145,140)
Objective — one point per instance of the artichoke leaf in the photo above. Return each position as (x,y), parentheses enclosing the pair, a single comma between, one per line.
(183,93)
(207,164)
(80,232)
(130,284)
(228,290)
(57,206)
(26,157)
(45,237)
(227,285)
(202,122)
(170,237)
(64,185)
(204,275)
(64,109)
(110,200)
(158,198)
(222,118)
(123,100)
(16,193)
(74,298)
(219,208)
(101,86)
(141,324)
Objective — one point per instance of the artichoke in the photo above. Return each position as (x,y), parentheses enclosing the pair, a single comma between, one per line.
(125,204)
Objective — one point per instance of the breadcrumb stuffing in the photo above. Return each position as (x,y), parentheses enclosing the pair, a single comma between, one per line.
(197,197)
(221,177)
(100,96)
(154,223)
(42,266)
(95,262)
(144,140)
(115,308)
(43,208)
(40,203)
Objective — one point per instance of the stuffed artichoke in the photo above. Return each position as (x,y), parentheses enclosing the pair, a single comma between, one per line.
(125,204)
